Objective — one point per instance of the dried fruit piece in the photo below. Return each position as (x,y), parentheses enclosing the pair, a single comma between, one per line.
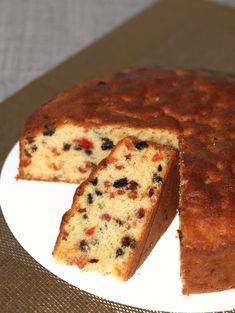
(90,230)
(84,143)
(105,217)
(119,252)
(132,195)
(157,178)
(98,192)
(66,146)
(93,260)
(132,185)
(141,213)
(128,242)
(107,144)
(157,157)
(83,246)
(141,145)
(94,181)
(122,182)
(89,198)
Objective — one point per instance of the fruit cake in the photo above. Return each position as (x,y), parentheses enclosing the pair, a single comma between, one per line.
(121,210)
(193,111)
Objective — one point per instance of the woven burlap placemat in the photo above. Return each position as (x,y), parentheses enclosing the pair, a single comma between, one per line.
(185,33)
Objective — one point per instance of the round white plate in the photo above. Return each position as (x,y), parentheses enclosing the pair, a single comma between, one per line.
(33,211)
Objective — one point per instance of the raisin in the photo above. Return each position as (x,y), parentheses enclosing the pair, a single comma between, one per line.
(88,152)
(157,179)
(118,222)
(107,144)
(151,192)
(77,147)
(48,132)
(159,168)
(94,181)
(122,182)
(85,216)
(98,193)
(141,145)
(66,147)
(93,261)
(34,148)
(119,252)
(132,185)
(89,198)
(128,242)
(83,246)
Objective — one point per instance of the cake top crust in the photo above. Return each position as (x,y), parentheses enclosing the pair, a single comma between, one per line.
(199,106)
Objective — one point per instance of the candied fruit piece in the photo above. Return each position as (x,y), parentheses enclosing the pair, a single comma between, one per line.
(84,143)
(157,157)
(106,217)
(119,167)
(90,230)
(82,210)
(141,213)
(132,195)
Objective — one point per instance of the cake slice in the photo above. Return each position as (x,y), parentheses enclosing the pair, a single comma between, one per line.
(122,209)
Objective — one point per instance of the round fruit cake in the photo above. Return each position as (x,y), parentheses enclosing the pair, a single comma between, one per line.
(192,111)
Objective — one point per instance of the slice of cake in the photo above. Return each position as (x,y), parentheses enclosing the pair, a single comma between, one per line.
(120,212)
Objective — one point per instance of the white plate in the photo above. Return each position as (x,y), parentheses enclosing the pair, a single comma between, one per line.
(33,211)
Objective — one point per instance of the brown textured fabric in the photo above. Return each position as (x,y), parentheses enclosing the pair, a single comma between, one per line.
(179,33)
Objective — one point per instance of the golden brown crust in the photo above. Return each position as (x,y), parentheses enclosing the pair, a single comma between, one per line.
(197,105)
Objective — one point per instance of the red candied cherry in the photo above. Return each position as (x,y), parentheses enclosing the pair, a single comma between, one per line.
(105,217)
(84,143)
(90,230)
(141,213)
(157,157)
